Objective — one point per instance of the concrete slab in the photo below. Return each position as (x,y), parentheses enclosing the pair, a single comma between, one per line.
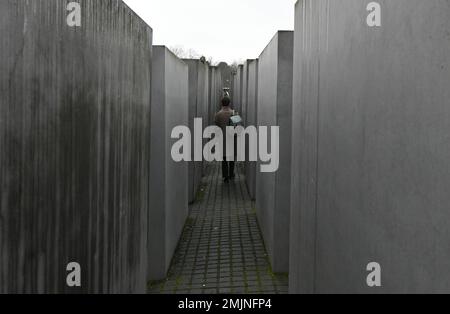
(74,147)
(244,92)
(275,109)
(304,149)
(216,93)
(225,73)
(198,108)
(371,144)
(169,180)
(237,89)
(250,117)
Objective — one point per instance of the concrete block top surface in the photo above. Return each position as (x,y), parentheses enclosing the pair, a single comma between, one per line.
(277,38)
(168,51)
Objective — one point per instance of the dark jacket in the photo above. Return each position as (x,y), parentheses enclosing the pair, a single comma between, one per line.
(222,121)
(223,118)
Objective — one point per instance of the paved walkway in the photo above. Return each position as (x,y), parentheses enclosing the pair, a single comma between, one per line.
(221,250)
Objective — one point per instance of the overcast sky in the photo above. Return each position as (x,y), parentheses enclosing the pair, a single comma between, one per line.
(226,30)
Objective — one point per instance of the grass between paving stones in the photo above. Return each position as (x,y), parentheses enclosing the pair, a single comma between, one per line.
(156,284)
(201,192)
(253,277)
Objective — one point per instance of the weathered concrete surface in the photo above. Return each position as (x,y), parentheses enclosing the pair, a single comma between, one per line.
(371,159)
(304,149)
(198,108)
(225,73)
(237,89)
(231,92)
(275,109)
(211,94)
(250,117)
(74,147)
(244,91)
(215,93)
(169,180)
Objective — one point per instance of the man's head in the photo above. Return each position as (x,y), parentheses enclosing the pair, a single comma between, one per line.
(226,102)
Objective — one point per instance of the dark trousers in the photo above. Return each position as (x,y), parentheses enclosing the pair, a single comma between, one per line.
(227,169)
(228,166)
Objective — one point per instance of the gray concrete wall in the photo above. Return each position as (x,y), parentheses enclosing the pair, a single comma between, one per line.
(211,94)
(275,109)
(371,154)
(225,73)
(234,89)
(241,88)
(169,180)
(198,108)
(216,92)
(202,98)
(74,147)
(250,116)
(233,77)
(244,92)
(237,89)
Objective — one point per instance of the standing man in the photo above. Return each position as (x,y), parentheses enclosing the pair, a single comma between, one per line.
(222,121)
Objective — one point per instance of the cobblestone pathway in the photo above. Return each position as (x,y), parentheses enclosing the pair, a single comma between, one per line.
(221,250)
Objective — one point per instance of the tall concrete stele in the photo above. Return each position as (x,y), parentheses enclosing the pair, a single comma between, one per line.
(249,114)
(226,77)
(215,92)
(169,181)
(275,109)
(371,147)
(74,147)
(237,88)
(198,108)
